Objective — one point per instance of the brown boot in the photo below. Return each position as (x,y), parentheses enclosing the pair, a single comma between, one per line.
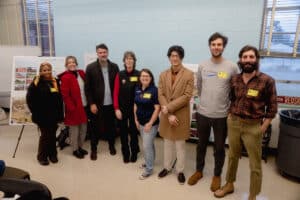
(226,189)
(195,178)
(215,183)
(252,197)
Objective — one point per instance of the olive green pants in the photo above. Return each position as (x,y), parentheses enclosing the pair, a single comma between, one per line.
(247,131)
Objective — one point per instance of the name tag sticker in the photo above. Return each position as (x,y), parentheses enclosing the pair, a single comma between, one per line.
(147,96)
(133,79)
(53,90)
(222,75)
(252,93)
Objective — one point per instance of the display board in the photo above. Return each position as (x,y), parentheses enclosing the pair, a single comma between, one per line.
(25,68)
(6,62)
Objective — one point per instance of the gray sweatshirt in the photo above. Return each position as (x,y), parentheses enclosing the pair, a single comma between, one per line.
(213,87)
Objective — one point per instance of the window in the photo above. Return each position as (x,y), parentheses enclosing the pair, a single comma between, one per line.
(280,46)
(38,25)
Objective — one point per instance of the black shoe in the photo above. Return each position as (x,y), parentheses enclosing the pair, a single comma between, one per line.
(78,154)
(112,150)
(126,159)
(181,178)
(63,145)
(44,162)
(133,158)
(163,173)
(138,149)
(82,151)
(53,159)
(93,155)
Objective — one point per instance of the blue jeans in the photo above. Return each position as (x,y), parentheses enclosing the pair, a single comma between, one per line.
(148,147)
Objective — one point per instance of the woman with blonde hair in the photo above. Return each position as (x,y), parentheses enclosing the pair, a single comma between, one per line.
(45,103)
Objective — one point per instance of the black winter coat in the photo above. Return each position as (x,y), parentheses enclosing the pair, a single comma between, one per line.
(45,104)
(94,82)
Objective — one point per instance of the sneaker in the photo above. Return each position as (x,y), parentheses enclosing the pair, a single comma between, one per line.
(195,178)
(163,173)
(83,151)
(181,178)
(144,175)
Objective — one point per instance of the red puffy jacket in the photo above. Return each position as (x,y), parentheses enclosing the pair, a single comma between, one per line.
(70,90)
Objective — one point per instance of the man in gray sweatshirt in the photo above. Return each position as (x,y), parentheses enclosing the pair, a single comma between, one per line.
(213,90)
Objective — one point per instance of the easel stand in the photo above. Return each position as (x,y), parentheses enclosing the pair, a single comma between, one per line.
(19,138)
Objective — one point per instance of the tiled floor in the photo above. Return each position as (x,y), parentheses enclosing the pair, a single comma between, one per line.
(108,178)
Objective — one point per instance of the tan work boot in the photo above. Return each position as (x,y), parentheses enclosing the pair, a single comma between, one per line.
(228,188)
(252,197)
(215,183)
(195,178)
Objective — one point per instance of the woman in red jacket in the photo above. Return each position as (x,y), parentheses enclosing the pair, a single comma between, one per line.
(72,90)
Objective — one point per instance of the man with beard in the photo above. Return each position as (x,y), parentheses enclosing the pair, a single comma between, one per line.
(213,90)
(253,106)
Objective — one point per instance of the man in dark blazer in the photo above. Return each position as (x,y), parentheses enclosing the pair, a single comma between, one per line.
(99,84)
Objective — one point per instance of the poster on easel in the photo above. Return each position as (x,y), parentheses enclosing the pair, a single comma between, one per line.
(24,69)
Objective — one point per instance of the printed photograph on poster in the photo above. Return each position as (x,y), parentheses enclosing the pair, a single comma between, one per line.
(25,68)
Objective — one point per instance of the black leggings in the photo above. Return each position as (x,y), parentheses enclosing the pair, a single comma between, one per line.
(47,142)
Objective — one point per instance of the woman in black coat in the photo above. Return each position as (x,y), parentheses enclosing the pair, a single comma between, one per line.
(46,105)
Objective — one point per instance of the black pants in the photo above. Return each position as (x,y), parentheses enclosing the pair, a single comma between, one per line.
(103,123)
(128,127)
(47,142)
(219,126)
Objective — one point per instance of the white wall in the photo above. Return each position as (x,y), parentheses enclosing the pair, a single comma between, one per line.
(11,22)
(150,27)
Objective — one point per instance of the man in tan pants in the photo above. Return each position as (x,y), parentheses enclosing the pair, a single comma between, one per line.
(253,106)
(175,90)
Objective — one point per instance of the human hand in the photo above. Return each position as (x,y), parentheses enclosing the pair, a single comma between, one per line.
(173,120)
(164,110)
(147,127)
(118,114)
(94,109)
(137,124)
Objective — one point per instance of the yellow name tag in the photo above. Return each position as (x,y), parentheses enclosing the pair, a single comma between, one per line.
(252,93)
(222,75)
(133,79)
(53,90)
(147,96)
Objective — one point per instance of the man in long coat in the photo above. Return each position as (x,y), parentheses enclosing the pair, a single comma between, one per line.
(175,90)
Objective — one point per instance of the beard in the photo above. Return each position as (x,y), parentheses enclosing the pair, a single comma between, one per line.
(248,67)
(217,55)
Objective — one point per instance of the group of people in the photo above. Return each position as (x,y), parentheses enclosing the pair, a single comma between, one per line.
(235,99)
